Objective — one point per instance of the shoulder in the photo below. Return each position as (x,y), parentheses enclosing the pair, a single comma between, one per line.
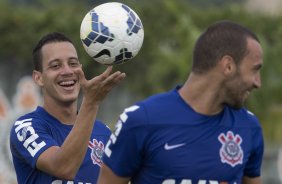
(27,124)
(27,136)
(29,119)
(248,115)
(101,128)
(150,110)
(160,99)
(245,118)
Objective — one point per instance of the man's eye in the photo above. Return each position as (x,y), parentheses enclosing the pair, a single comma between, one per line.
(74,64)
(54,66)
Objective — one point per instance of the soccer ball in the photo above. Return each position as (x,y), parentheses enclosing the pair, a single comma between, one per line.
(112,33)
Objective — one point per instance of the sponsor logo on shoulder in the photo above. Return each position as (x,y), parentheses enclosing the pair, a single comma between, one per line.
(26,134)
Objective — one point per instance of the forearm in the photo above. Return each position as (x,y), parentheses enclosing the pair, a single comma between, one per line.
(248,180)
(107,176)
(65,161)
(75,146)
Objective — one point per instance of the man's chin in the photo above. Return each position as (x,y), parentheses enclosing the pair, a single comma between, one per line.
(236,105)
(69,99)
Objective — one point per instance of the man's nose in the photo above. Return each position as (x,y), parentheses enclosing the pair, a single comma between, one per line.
(257,82)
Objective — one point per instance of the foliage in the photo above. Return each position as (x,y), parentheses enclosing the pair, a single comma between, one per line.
(21,27)
(171,29)
(214,3)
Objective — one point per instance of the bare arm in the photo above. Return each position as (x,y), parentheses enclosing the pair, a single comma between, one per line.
(108,177)
(248,180)
(65,161)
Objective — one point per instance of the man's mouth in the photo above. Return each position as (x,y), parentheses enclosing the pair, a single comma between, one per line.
(67,83)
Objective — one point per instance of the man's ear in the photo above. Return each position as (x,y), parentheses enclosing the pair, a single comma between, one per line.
(227,65)
(37,77)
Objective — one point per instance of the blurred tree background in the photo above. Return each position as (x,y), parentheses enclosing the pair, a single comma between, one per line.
(171,29)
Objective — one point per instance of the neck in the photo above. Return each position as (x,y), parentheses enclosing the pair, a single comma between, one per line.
(202,93)
(65,113)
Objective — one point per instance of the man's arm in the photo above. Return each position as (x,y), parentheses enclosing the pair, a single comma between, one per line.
(108,177)
(248,180)
(65,161)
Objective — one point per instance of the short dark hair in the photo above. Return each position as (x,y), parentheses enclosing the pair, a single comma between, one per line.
(221,38)
(48,38)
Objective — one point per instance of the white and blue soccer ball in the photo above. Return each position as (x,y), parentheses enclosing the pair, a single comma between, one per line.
(112,33)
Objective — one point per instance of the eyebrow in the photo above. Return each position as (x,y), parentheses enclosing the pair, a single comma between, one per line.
(72,57)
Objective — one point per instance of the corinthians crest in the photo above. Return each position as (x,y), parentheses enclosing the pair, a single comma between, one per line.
(231,151)
(97,151)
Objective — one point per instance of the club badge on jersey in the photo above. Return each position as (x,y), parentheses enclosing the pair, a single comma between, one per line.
(231,151)
(97,151)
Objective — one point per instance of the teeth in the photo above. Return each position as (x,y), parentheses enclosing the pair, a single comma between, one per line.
(67,83)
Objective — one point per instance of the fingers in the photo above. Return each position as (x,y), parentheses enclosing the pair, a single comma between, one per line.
(111,80)
(115,78)
(108,78)
(98,87)
(108,71)
(105,74)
